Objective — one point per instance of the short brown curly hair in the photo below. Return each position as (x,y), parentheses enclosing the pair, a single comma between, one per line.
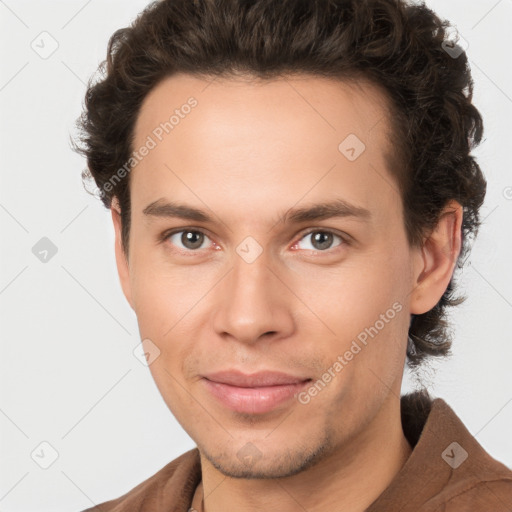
(397,46)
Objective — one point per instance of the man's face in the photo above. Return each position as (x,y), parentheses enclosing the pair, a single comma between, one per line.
(251,289)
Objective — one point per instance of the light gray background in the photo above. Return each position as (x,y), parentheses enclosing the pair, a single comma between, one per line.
(67,369)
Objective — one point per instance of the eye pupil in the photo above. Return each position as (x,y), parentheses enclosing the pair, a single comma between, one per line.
(192,239)
(323,238)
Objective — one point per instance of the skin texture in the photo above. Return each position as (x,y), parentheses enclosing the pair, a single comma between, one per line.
(246,154)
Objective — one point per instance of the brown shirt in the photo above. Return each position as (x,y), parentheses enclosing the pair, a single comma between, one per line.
(448,471)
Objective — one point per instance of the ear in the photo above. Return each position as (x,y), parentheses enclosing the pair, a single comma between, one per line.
(437,259)
(123,268)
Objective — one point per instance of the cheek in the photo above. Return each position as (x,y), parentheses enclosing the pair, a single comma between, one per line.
(359,307)
(352,296)
(164,297)
(171,313)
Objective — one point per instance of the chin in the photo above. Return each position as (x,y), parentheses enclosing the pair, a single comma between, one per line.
(251,462)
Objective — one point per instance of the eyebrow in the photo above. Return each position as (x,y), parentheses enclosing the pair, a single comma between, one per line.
(336,208)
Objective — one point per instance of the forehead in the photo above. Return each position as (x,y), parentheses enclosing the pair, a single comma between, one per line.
(330,105)
(262,139)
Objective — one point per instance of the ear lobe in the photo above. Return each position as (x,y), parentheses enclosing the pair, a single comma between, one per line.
(439,255)
(123,268)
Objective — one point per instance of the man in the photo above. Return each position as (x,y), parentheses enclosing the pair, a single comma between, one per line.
(291,188)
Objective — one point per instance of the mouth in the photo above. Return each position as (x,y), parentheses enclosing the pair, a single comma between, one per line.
(256,393)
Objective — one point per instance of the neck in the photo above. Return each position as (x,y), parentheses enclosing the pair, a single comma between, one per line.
(350,478)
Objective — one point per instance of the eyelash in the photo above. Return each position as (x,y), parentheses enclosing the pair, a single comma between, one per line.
(164,237)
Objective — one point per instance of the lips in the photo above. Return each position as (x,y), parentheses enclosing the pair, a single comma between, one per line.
(255,393)
(259,379)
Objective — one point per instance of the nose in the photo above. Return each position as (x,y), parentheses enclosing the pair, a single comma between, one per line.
(253,303)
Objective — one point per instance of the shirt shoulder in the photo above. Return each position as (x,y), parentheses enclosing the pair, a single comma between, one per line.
(495,495)
(475,480)
(448,470)
(170,489)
